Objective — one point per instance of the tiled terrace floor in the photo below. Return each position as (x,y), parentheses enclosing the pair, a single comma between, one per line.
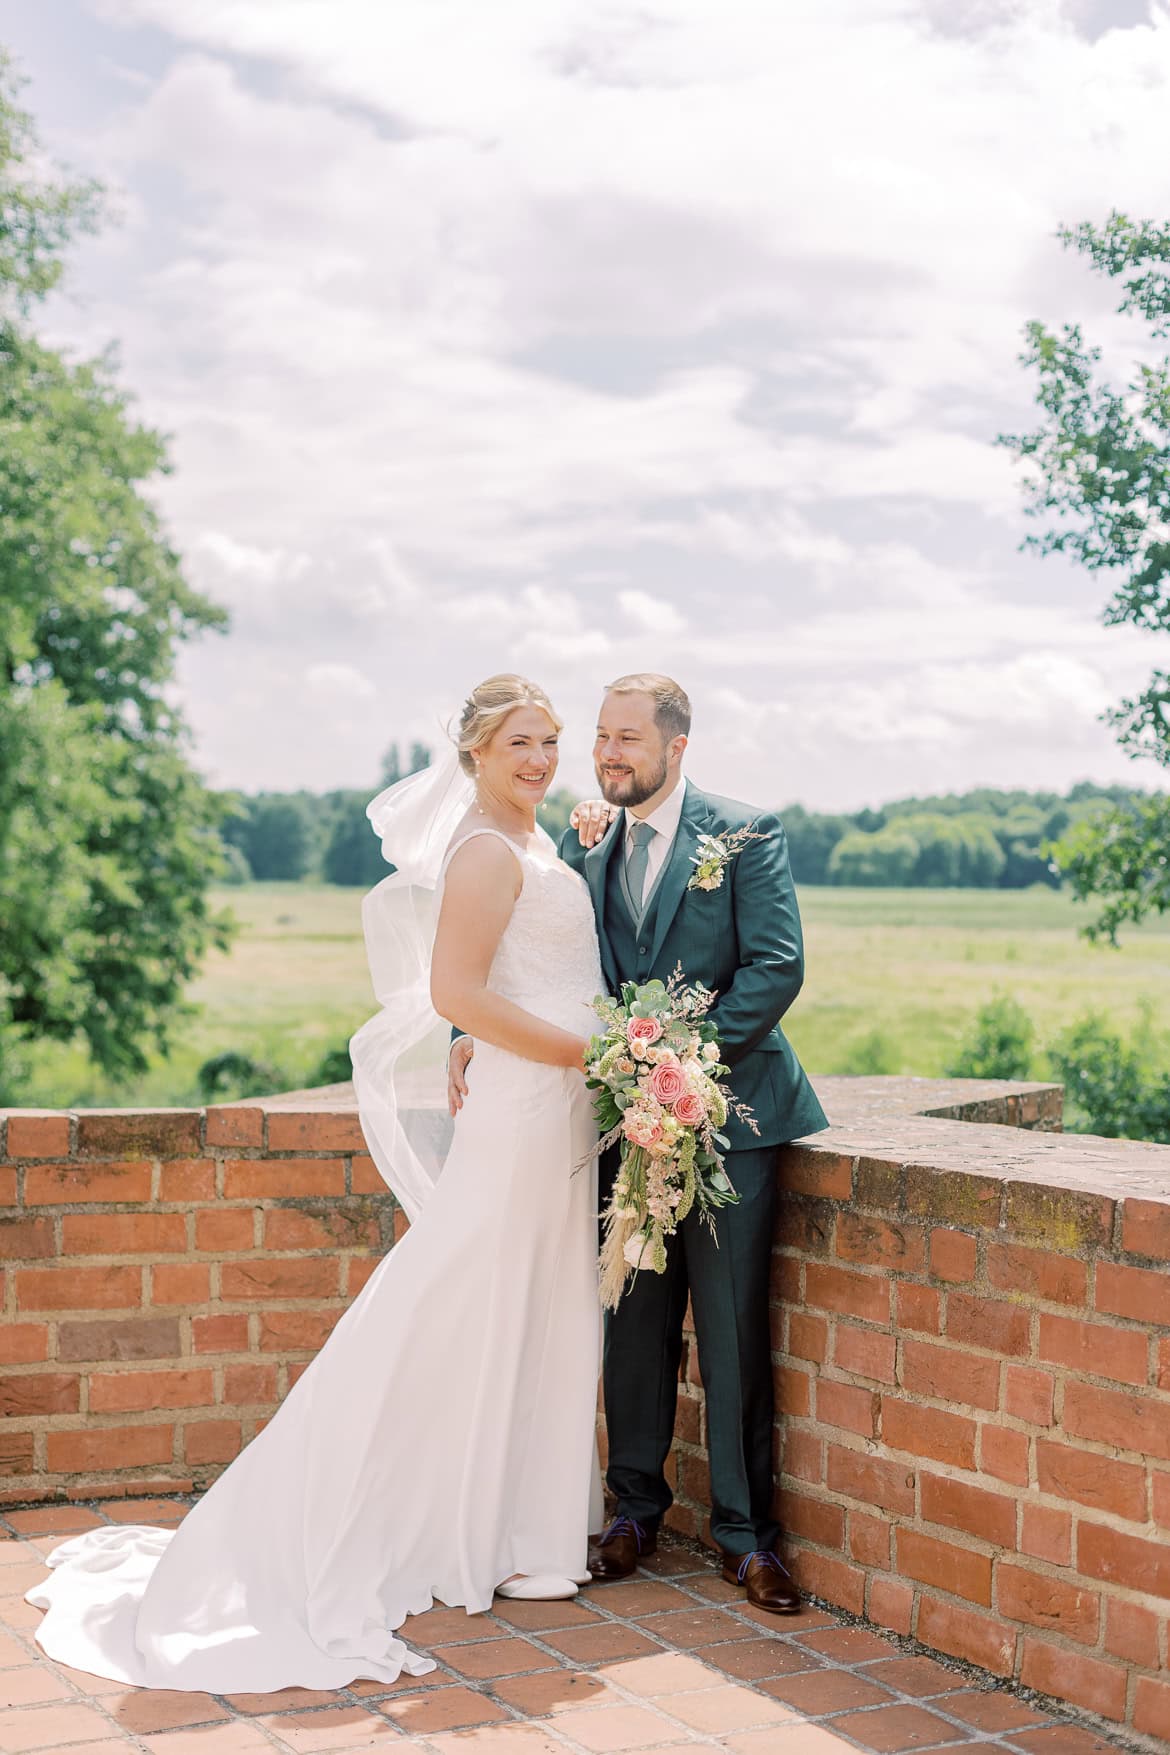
(672,1660)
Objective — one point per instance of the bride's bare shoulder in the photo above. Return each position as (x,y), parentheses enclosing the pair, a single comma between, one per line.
(479,850)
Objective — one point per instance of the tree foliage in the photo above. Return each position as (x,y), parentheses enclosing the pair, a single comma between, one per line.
(1098,475)
(107,837)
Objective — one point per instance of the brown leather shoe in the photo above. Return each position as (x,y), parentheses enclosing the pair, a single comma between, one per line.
(619,1549)
(766,1579)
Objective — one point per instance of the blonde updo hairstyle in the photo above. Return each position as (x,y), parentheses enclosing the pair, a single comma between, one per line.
(486,708)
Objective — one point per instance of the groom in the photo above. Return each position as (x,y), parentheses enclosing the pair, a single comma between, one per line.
(741,938)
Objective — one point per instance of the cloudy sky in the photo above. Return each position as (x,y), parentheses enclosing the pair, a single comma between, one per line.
(576,336)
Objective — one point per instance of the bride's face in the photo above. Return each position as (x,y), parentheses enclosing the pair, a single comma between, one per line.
(518,764)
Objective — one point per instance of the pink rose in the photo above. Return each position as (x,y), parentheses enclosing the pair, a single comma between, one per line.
(641,1129)
(667,1082)
(690,1109)
(643,1030)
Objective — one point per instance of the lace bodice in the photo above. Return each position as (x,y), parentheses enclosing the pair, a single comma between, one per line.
(547,960)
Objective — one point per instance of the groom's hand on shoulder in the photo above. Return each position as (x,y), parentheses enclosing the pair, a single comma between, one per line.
(591,819)
(458,1061)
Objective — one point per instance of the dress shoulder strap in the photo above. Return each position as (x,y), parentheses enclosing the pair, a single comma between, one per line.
(471,836)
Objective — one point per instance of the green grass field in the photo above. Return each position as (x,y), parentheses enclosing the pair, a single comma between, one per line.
(893,979)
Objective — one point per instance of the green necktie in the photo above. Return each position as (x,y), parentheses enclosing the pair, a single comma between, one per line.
(641,834)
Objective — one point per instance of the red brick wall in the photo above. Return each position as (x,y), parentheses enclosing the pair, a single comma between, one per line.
(164,1277)
(971,1328)
(973,1367)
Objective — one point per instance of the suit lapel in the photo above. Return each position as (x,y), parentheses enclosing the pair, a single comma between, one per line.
(596,869)
(679,870)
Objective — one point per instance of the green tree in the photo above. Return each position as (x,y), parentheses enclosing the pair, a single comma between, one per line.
(1099,476)
(274,832)
(108,839)
(354,854)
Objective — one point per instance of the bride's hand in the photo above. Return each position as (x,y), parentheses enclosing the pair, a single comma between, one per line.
(591,819)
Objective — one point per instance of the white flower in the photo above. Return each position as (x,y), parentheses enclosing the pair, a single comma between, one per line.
(636,1247)
(710,1051)
(711,883)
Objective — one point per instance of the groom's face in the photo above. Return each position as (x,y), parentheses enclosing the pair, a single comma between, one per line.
(631,756)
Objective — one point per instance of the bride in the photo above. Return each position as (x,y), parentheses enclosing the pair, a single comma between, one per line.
(441,1445)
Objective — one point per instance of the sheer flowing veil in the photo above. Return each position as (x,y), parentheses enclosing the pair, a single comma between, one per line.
(399,1055)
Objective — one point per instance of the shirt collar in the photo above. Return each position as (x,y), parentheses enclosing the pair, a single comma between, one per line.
(666,817)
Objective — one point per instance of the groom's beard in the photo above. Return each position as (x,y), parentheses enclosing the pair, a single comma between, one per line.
(634,787)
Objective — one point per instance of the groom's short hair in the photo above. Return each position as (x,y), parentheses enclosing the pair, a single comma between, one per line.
(672,707)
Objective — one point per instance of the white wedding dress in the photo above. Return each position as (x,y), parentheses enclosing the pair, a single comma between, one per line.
(444,1437)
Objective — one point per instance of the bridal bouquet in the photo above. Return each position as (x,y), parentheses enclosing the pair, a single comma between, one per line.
(656,1070)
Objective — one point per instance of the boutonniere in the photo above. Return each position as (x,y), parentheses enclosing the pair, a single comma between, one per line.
(716,853)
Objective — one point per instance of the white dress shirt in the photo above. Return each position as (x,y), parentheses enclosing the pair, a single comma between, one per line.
(664,820)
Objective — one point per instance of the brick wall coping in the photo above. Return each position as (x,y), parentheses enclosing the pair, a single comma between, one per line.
(900,1122)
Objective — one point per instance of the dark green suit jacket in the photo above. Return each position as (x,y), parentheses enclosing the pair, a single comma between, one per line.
(743,940)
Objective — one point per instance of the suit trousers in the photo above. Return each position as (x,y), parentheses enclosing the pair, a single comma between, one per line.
(727,1278)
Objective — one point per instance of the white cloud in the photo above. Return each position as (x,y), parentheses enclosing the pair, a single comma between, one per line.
(343,681)
(573,336)
(645,614)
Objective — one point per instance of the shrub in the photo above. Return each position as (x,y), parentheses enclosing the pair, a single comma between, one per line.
(234,1074)
(1110,1086)
(998,1044)
(335,1067)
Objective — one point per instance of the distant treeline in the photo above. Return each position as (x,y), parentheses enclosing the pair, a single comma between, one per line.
(983,839)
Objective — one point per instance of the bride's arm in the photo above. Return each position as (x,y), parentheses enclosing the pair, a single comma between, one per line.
(482,884)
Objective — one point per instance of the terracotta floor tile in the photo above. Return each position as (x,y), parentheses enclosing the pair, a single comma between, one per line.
(43,1727)
(62,1520)
(609,1640)
(537,1617)
(809,1620)
(818,1692)
(952,1749)
(91,1687)
(148,1710)
(893,1728)
(552,1691)
(446,1627)
(732,1706)
(442,1709)
(687,1628)
(676,1563)
(609,1728)
(991,1710)
(715,1589)
(13,1653)
(753,1660)
(509,1739)
(30,1684)
(919,1676)
(164,1512)
(15,1580)
(19,1615)
(666,1673)
(494,1657)
(239,1738)
(793,1738)
(640,1596)
(1062,1740)
(112,1745)
(366,1688)
(280,1700)
(18,1551)
(848,1645)
(333,1728)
